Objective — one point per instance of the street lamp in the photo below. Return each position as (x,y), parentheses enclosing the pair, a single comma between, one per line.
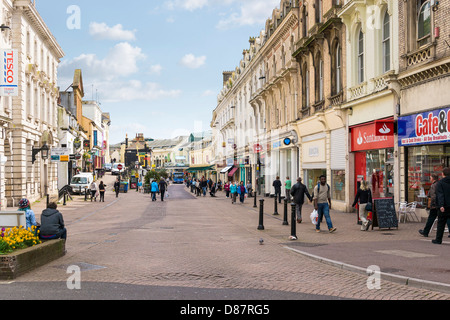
(44,152)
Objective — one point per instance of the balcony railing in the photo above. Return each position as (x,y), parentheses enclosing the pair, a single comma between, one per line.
(319,106)
(336,99)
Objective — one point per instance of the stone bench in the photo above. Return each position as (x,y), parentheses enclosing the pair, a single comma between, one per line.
(21,261)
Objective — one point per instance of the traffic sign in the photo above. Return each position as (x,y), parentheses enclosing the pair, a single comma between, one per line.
(119,166)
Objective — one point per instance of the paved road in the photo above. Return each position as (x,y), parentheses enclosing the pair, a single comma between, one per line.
(191,248)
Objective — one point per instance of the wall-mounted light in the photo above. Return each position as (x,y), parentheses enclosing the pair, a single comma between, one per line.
(43,150)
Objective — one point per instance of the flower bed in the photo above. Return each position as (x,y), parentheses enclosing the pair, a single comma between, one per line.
(18,238)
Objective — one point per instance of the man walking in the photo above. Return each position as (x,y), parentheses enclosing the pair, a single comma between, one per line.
(162,188)
(443,204)
(298,193)
(322,203)
(287,186)
(117,187)
(277,186)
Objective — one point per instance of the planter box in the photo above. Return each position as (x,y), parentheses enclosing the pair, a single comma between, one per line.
(22,261)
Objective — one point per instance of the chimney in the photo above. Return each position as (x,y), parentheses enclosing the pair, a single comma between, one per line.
(226,76)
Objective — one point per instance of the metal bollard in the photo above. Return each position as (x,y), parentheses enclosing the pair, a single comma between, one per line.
(261,214)
(276,207)
(285,222)
(85,194)
(293,227)
(64,203)
(254,200)
(48,199)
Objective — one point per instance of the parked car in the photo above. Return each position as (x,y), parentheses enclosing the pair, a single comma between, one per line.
(115,170)
(81,182)
(107,166)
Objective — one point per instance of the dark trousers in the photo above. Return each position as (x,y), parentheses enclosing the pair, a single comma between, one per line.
(431,218)
(102,196)
(162,194)
(443,218)
(278,193)
(117,192)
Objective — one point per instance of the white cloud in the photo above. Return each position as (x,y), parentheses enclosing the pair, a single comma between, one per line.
(103,31)
(156,69)
(190,5)
(251,12)
(193,62)
(122,60)
(208,93)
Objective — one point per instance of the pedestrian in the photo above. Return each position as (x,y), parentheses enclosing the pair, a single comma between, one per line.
(102,189)
(442,204)
(322,203)
(433,210)
(154,190)
(298,193)
(162,188)
(226,187)
(364,195)
(233,192)
(203,186)
(249,188)
(242,191)
(117,187)
(30,218)
(287,186)
(140,186)
(277,185)
(212,193)
(52,223)
(93,189)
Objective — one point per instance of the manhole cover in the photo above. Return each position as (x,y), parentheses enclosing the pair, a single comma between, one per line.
(305,244)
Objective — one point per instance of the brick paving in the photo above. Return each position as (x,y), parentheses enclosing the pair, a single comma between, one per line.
(210,243)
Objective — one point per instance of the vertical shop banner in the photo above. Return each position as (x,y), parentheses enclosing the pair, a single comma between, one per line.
(9,81)
(424,128)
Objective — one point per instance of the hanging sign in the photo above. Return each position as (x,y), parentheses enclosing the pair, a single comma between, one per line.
(9,75)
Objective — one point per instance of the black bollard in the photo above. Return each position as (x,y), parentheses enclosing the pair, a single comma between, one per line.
(285,222)
(254,201)
(293,227)
(48,199)
(276,207)
(85,194)
(64,199)
(261,214)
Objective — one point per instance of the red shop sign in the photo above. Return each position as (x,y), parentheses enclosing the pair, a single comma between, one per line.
(365,137)
(384,127)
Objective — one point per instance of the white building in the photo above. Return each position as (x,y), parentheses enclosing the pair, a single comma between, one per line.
(28,118)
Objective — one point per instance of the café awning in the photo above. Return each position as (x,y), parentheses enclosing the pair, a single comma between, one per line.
(226,169)
(200,168)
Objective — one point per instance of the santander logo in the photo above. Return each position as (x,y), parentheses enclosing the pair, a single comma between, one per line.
(359,141)
(384,129)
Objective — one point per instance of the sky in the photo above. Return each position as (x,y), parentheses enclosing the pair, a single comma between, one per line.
(155,66)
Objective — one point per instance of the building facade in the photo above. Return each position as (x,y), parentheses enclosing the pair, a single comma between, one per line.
(29,117)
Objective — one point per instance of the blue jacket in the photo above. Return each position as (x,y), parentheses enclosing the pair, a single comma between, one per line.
(233,188)
(239,190)
(154,187)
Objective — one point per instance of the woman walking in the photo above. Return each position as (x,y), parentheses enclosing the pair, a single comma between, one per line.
(242,191)
(93,188)
(102,189)
(364,195)
(233,191)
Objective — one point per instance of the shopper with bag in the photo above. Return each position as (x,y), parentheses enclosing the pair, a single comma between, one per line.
(322,203)
(364,195)
(298,192)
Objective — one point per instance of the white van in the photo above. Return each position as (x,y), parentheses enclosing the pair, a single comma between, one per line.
(115,170)
(82,180)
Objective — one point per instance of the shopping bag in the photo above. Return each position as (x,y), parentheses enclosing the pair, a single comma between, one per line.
(314,217)
(167,195)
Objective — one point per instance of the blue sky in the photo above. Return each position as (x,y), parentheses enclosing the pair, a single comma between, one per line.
(155,66)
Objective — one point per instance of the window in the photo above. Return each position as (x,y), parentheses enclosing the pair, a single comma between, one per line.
(338,69)
(338,184)
(386,43)
(360,57)
(321,80)
(318,7)
(423,23)
(318,78)
(304,23)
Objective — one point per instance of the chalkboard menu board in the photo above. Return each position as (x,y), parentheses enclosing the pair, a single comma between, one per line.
(384,215)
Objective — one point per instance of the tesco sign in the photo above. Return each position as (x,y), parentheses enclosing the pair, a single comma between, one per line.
(9,73)
(424,128)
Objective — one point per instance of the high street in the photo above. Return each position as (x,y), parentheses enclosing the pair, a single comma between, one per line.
(203,248)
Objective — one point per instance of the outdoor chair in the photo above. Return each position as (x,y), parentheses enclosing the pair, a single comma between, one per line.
(407,209)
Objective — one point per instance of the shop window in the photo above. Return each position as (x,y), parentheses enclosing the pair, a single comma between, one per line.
(422,162)
(311,178)
(338,185)
(380,172)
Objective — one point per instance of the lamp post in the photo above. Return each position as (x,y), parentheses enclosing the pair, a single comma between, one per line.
(44,150)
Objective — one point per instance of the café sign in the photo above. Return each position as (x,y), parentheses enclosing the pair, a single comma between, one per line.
(424,128)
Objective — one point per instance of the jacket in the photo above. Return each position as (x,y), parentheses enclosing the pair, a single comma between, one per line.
(162,185)
(298,191)
(239,189)
(52,222)
(226,187)
(364,196)
(443,194)
(154,187)
(233,188)
(432,195)
(277,185)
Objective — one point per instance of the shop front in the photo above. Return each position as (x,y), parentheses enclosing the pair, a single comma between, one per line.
(425,142)
(314,163)
(373,146)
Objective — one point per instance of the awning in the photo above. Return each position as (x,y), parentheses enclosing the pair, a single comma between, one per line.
(231,173)
(204,168)
(226,169)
